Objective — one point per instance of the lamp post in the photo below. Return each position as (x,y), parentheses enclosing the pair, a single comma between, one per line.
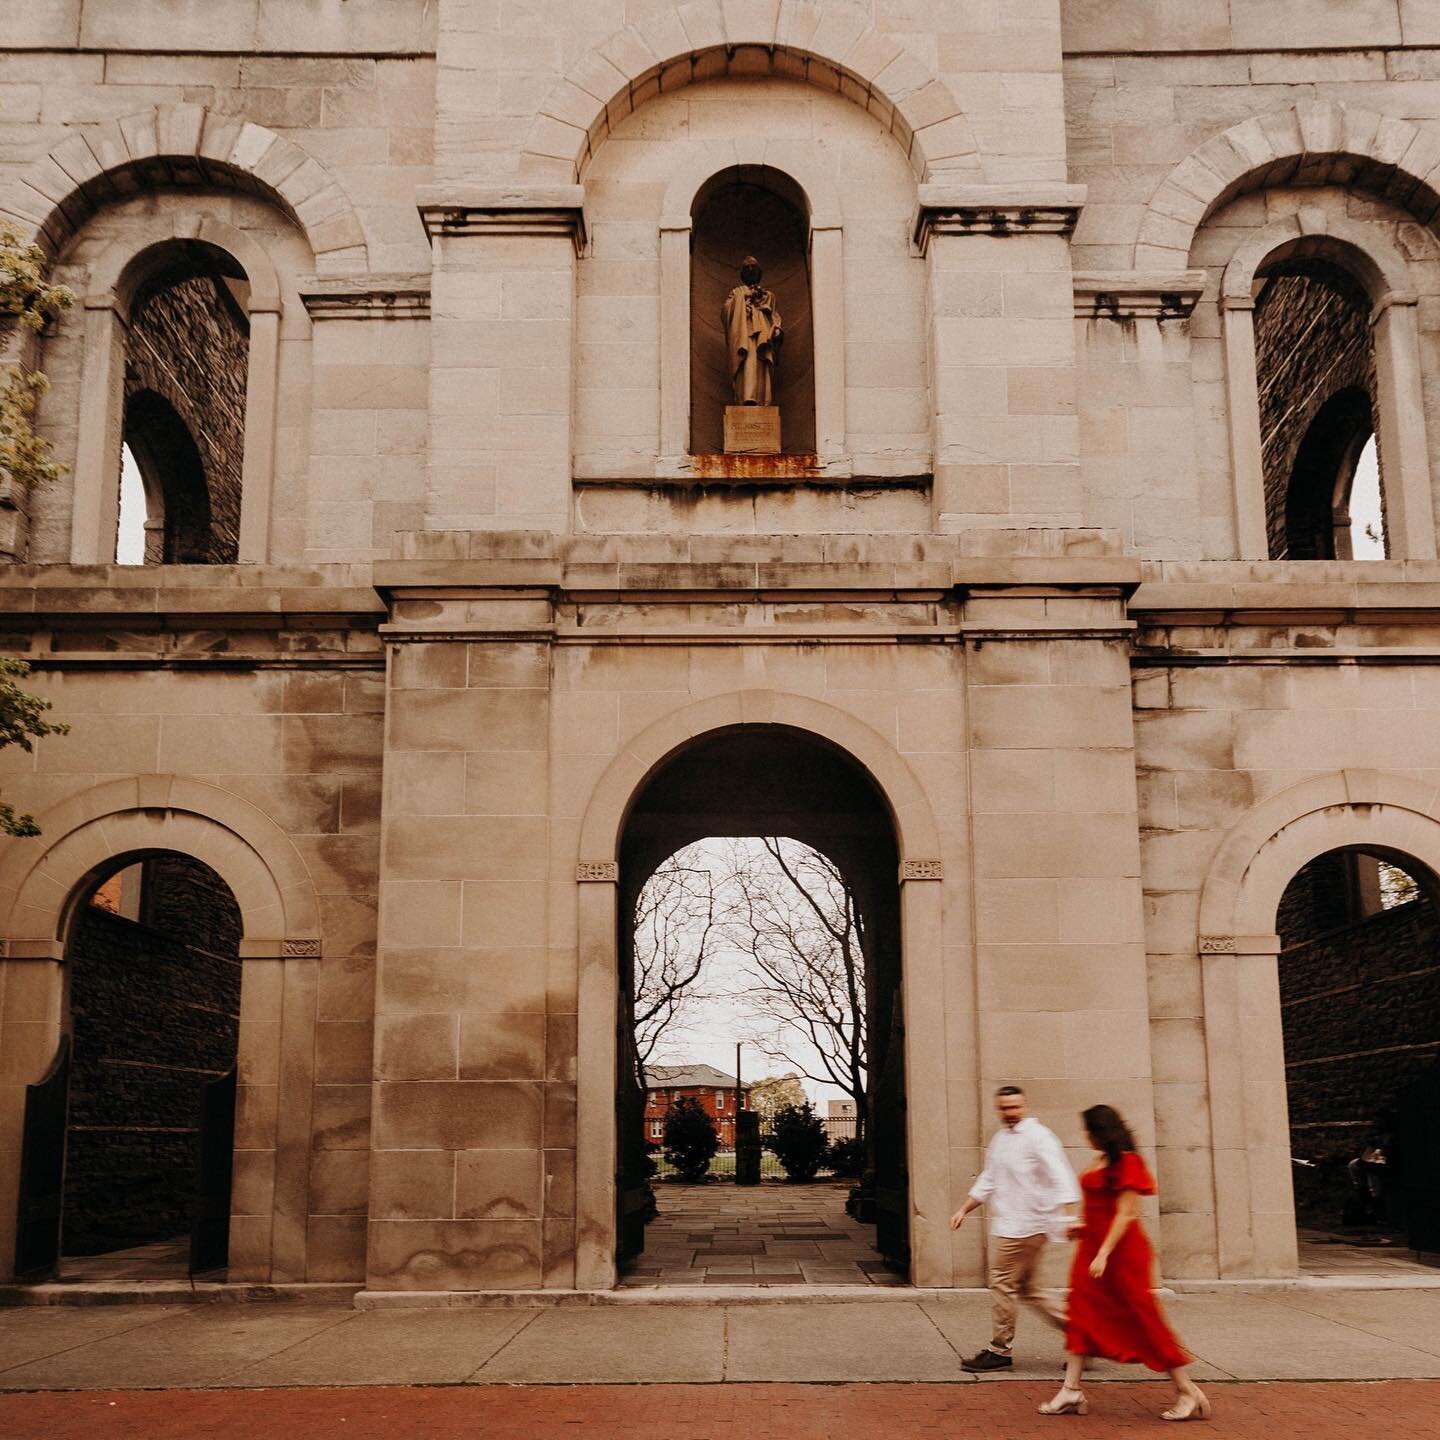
(747,1134)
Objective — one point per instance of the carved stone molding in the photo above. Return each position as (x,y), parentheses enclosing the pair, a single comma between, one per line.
(605,872)
(1049,209)
(302,950)
(1218,945)
(503,210)
(1137,294)
(366,297)
(922,870)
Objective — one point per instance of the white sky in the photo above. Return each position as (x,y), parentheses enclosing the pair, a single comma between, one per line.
(130,549)
(1365,506)
(708,1030)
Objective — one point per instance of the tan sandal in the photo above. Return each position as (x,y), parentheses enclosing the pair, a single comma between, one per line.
(1075,1404)
(1199,1408)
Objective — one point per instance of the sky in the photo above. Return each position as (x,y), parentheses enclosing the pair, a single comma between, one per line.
(130,549)
(709,1030)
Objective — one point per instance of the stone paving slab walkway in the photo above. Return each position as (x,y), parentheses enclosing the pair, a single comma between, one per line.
(770,1235)
(901,1335)
(1327,1411)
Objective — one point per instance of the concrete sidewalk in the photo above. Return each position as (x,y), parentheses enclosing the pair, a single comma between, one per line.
(1287,1335)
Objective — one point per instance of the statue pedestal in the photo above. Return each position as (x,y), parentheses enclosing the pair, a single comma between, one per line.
(752,429)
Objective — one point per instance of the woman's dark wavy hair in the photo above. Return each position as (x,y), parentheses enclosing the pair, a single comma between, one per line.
(1109,1131)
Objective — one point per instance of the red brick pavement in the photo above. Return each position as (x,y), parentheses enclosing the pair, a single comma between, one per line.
(1323,1410)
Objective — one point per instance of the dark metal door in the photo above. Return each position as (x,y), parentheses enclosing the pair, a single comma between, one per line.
(42,1170)
(215,1156)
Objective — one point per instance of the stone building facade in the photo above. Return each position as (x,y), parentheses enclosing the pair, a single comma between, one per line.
(1013,624)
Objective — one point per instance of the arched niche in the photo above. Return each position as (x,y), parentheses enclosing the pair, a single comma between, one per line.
(750,210)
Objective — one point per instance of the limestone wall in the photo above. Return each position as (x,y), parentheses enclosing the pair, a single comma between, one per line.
(289,729)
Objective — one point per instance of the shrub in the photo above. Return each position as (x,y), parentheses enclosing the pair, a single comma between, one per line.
(799,1141)
(691,1138)
(847,1158)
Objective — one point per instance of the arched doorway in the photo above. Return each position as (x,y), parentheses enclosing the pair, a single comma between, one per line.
(1359,976)
(774,781)
(128,1145)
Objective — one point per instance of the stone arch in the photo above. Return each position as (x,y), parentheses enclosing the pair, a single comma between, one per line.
(1371,809)
(1361,249)
(795,161)
(1315,142)
(184,145)
(113,279)
(247,849)
(1400,413)
(828,47)
(118,269)
(916,833)
(927,1041)
(1378,811)
(41,881)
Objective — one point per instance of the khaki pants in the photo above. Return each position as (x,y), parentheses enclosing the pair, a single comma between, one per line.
(1011,1278)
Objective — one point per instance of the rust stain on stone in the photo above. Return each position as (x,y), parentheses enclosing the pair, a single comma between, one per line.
(777,469)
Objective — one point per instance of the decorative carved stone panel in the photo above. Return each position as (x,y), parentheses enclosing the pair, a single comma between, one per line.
(922,870)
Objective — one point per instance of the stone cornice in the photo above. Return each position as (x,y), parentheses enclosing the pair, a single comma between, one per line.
(1038,209)
(1137,294)
(366,297)
(452,210)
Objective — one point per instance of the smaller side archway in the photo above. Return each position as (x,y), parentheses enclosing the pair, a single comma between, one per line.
(41,884)
(1373,812)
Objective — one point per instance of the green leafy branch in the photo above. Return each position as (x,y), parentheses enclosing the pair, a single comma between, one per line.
(22,721)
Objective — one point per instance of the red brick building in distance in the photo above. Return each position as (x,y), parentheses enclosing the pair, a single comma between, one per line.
(714,1089)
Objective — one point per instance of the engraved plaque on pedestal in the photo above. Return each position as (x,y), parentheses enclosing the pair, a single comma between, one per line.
(752,429)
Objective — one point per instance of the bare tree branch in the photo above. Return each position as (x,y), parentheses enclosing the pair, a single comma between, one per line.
(797,927)
(677,917)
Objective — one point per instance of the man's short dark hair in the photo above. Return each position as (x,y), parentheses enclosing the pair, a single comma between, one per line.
(1008,1090)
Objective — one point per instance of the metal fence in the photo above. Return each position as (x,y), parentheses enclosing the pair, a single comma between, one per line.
(722,1167)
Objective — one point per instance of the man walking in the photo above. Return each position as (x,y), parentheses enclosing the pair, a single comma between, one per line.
(1031,1191)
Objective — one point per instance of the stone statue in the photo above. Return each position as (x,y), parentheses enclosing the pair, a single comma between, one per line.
(752,326)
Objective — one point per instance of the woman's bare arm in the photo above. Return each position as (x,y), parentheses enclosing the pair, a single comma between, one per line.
(1127,1207)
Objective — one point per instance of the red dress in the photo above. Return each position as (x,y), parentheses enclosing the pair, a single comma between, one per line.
(1117,1316)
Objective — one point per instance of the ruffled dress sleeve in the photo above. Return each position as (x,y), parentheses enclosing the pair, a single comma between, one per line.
(1131,1173)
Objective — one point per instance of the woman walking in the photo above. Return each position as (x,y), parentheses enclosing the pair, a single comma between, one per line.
(1113,1311)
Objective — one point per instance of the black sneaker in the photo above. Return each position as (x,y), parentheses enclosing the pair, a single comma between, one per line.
(987,1360)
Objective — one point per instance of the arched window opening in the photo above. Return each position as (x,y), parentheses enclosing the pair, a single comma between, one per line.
(186,368)
(750,210)
(1315,369)
(1319,523)
(1359,972)
(133,532)
(179,523)
(1364,516)
(153,981)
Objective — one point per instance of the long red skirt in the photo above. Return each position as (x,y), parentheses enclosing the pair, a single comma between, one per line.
(1117,1316)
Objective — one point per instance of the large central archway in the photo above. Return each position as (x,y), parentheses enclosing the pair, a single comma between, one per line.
(773,781)
(823,777)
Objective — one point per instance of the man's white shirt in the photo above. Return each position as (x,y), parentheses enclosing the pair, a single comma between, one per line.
(1025,1181)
